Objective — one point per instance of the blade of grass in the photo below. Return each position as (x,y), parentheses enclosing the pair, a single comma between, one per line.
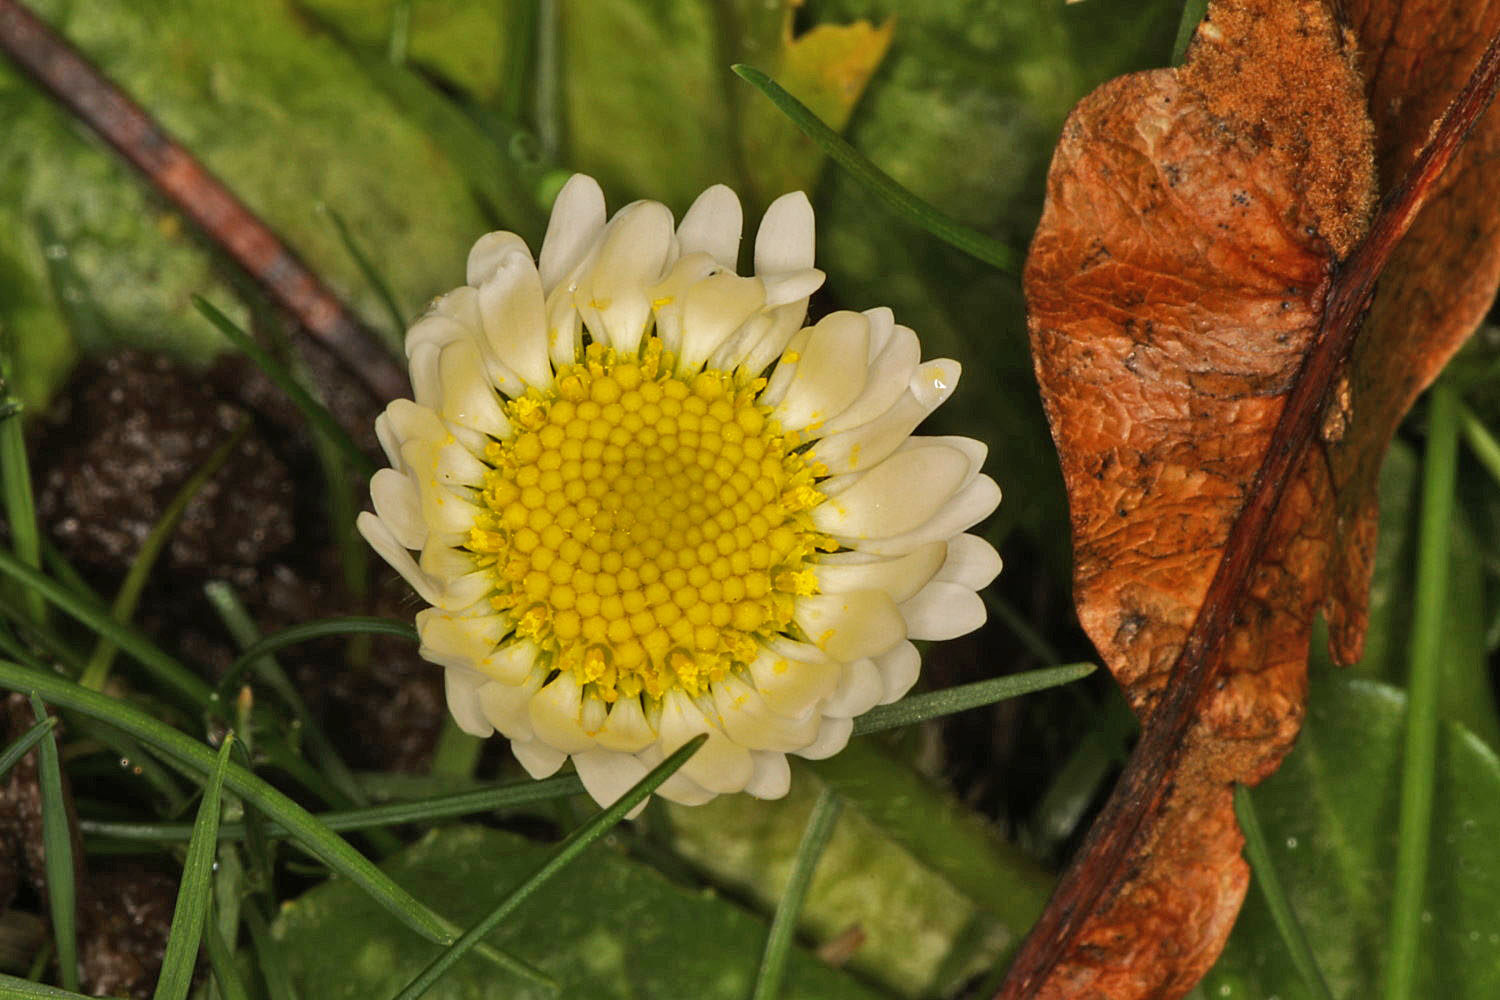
(20,503)
(10,987)
(129,594)
(1419,763)
(881,184)
(268,957)
(921,707)
(307,632)
(457,753)
(161,665)
(193,891)
(366,266)
(314,412)
(507,796)
(820,823)
(221,960)
(22,746)
(57,841)
(316,838)
(1282,915)
(1192,14)
(574,845)
(1480,441)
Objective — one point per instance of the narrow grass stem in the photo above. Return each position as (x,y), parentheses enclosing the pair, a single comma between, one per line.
(1282,914)
(921,707)
(57,841)
(779,939)
(1439,479)
(881,184)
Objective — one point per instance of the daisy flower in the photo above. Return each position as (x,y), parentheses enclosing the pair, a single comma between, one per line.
(647,502)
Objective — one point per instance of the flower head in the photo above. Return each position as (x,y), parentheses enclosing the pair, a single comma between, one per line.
(647,503)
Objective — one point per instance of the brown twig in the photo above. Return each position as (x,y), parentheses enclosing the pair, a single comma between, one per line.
(68,76)
(1098,865)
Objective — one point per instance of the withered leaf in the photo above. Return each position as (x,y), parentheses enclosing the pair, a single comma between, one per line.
(1196,231)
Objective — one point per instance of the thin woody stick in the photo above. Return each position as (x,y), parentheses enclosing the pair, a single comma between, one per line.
(48,59)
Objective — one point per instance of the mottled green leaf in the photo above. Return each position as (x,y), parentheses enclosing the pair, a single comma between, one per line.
(935,896)
(605,928)
(1330,816)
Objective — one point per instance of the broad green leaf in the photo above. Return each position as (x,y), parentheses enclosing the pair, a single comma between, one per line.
(937,897)
(1464,693)
(1330,817)
(605,927)
(278,111)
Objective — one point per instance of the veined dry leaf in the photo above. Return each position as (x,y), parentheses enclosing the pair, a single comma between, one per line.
(1191,243)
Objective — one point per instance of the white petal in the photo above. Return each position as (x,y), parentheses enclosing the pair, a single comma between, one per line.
(972,504)
(898,495)
(612,297)
(750,722)
(390,443)
(607,775)
(508,706)
(972,562)
(864,446)
(399,506)
(827,380)
(850,626)
(539,760)
(468,397)
(943,611)
(626,730)
(438,330)
(448,515)
(833,736)
(901,577)
(555,715)
(889,375)
(434,592)
(772,778)
(669,296)
(577,219)
(564,328)
(720,765)
(785,241)
(882,328)
(786,369)
(460,640)
(773,336)
(713,225)
(679,787)
(422,364)
(515,319)
(793,681)
(859,691)
(713,309)
(488,252)
(462,688)
(792,286)
(899,669)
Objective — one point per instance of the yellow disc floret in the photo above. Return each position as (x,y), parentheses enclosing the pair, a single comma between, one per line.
(648,529)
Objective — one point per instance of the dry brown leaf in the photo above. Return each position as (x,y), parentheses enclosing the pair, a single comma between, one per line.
(1183,270)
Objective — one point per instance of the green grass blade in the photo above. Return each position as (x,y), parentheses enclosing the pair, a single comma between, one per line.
(367,267)
(314,837)
(1481,442)
(1282,915)
(221,960)
(307,632)
(22,746)
(193,891)
(269,958)
(314,412)
(1192,14)
(880,183)
(12,987)
(57,840)
(508,796)
(20,503)
(162,666)
(1419,763)
(129,594)
(815,836)
(574,845)
(921,707)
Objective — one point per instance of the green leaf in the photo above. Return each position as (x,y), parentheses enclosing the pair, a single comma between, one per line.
(825,814)
(193,890)
(605,927)
(57,841)
(936,895)
(1329,816)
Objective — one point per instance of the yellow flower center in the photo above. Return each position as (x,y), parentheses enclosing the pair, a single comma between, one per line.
(648,529)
